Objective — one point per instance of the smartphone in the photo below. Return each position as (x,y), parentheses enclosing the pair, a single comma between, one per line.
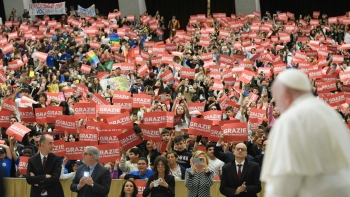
(86,174)
(197,160)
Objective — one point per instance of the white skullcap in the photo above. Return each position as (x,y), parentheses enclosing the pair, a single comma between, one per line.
(295,79)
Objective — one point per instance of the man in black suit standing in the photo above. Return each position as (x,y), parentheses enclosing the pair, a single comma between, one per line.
(91,178)
(260,158)
(240,177)
(2,185)
(44,170)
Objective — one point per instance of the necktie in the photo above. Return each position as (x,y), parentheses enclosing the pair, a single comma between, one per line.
(239,173)
(44,162)
(88,169)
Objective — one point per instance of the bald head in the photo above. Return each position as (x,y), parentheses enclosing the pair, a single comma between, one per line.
(240,152)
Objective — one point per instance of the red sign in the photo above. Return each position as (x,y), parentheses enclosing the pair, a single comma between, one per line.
(17,131)
(196,107)
(121,119)
(199,126)
(161,119)
(88,135)
(257,113)
(107,111)
(141,185)
(66,123)
(236,132)
(85,110)
(40,56)
(254,123)
(58,148)
(336,99)
(151,132)
(40,115)
(75,150)
(129,139)
(167,76)
(109,152)
(344,76)
(213,115)
(187,73)
(99,100)
(8,48)
(141,100)
(9,105)
(3,76)
(26,114)
(315,74)
(246,76)
(52,113)
(22,165)
(5,118)
(85,69)
(110,137)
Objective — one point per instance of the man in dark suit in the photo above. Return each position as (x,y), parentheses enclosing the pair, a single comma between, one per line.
(2,185)
(91,178)
(260,158)
(44,170)
(240,177)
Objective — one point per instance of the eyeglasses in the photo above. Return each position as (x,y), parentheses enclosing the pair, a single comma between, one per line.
(241,149)
(86,154)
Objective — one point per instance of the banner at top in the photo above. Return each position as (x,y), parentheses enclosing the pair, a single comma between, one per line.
(47,8)
(83,12)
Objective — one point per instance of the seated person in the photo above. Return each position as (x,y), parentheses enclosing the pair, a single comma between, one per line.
(142,173)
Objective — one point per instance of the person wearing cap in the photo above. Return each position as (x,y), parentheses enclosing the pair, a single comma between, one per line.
(295,166)
(5,160)
(75,165)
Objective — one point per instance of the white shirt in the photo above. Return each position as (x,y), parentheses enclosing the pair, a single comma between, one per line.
(307,154)
(42,161)
(215,165)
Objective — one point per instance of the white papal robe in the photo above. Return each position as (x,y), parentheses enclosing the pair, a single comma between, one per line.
(308,153)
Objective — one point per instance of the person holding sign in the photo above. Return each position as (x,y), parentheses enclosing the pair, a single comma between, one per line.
(5,160)
(296,169)
(92,179)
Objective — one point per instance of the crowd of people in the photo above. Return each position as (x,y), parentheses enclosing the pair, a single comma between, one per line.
(221,69)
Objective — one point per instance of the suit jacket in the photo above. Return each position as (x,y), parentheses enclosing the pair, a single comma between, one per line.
(2,185)
(53,167)
(259,159)
(102,182)
(250,175)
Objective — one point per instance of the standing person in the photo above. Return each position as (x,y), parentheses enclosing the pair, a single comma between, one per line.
(44,170)
(91,179)
(294,166)
(2,185)
(161,183)
(199,179)
(244,180)
(173,25)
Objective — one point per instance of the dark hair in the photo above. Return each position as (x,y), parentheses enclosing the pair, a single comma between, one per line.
(171,152)
(143,158)
(229,108)
(65,104)
(165,162)
(165,131)
(178,139)
(137,129)
(267,129)
(136,151)
(134,193)
(209,146)
(43,94)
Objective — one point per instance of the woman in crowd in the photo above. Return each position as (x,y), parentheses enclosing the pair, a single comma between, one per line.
(151,152)
(199,179)
(129,189)
(161,183)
